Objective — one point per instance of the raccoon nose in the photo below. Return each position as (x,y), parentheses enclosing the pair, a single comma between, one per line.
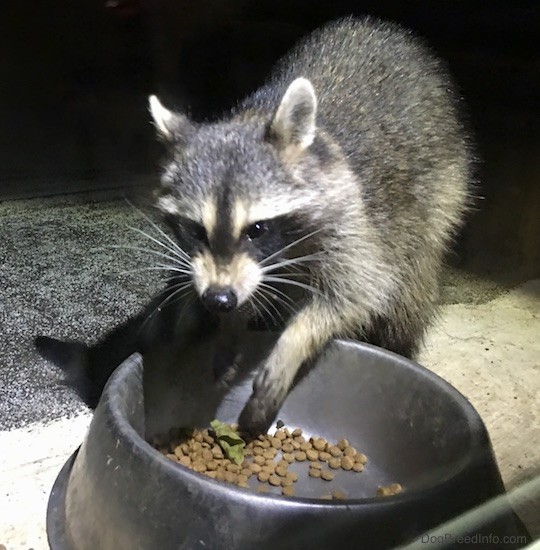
(219,299)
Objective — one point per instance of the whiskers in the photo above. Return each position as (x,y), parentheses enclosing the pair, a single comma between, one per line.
(271,299)
(166,258)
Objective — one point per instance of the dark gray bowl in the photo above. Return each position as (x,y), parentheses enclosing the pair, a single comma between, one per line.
(118,492)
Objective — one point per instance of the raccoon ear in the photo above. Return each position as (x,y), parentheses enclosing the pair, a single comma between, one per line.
(171,126)
(293,127)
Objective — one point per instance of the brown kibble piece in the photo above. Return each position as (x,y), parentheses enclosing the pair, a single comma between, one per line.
(185,461)
(269,454)
(342,444)
(289,457)
(306,446)
(288,491)
(255,468)
(269,467)
(213,475)
(274,480)
(335,451)
(319,444)
(361,458)
(281,471)
(293,476)
(300,456)
(312,454)
(172,457)
(234,468)
(389,490)
(242,479)
(207,454)
(287,448)
(230,477)
(316,465)
(262,488)
(327,475)
(263,476)
(313,472)
(297,433)
(358,467)
(349,451)
(275,442)
(324,456)
(257,451)
(280,434)
(199,467)
(339,495)
(260,460)
(286,482)
(347,463)
(334,463)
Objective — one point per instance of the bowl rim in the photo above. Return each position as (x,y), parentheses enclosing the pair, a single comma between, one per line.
(479,439)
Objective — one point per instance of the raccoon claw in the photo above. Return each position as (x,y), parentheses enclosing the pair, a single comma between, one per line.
(257,416)
(263,405)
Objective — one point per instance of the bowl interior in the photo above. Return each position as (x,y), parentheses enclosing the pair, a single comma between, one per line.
(415,429)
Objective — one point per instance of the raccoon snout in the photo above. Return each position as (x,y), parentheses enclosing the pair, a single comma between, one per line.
(219,299)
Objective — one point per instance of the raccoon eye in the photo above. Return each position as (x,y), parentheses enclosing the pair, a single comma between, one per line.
(255,230)
(196,231)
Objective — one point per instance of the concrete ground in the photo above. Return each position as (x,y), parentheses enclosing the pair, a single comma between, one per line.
(57,278)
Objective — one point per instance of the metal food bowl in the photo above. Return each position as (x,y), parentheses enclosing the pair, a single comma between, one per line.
(118,492)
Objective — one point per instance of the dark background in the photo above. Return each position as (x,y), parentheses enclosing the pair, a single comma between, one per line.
(75,76)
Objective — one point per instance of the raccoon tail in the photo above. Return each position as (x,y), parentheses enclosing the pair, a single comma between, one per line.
(73,358)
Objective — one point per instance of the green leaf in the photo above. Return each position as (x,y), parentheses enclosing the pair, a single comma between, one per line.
(229,440)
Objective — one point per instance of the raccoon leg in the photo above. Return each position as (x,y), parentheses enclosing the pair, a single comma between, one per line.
(303,339)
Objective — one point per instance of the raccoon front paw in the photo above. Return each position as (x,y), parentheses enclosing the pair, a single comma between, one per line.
(263,405)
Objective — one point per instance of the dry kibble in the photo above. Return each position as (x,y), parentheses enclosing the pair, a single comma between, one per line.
(199,467)
(242,479)
(269,467)
(269,454)
(361,458)
(262,488)
(185,461)
(263,476)
(327,475)
(334,463)
(230,477)
(300,456)
(293,476)
(207,454)
(349,451)
(274,480)
(335,451)
(389,490)
(312,454)
(199,451)
(347,463)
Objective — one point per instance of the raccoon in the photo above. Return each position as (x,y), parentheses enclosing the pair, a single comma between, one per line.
(324,202)
(342,179)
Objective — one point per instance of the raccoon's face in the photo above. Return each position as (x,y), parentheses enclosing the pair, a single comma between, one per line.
(240,216)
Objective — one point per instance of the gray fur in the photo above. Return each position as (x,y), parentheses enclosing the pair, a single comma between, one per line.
(384,180)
